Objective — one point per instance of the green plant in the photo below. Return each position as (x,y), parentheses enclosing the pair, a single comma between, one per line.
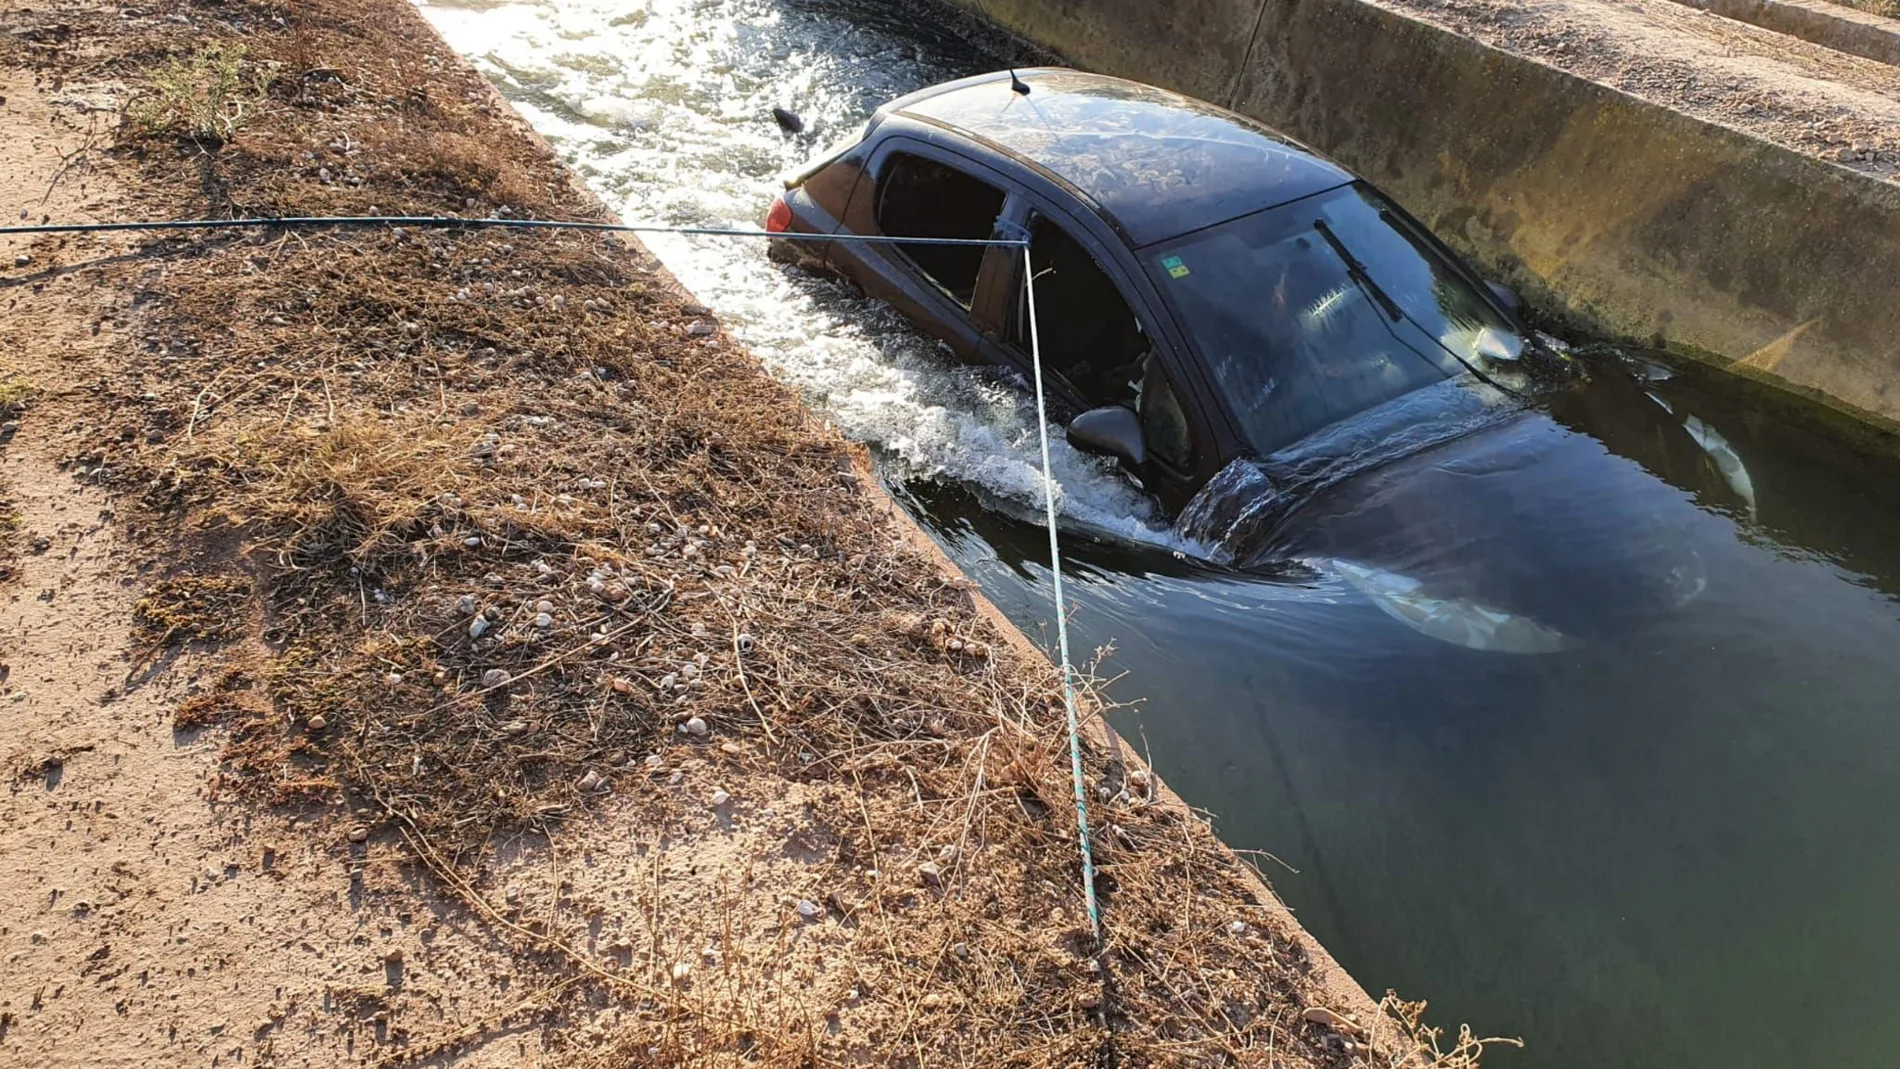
(206,96)
(15,396)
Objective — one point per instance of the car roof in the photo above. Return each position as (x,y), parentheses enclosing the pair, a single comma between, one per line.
(1157,164)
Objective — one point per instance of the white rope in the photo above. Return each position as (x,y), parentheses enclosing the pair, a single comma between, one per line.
(1062,615)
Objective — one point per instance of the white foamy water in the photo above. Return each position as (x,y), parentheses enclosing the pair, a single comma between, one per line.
(664,108)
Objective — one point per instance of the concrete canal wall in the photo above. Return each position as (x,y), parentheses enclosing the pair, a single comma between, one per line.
(1625,217)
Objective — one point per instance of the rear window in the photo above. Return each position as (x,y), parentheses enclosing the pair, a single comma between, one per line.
(921,198)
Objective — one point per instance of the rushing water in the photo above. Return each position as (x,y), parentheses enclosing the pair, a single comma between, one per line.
(1665,841)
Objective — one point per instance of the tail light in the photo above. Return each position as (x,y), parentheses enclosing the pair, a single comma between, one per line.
(779,219)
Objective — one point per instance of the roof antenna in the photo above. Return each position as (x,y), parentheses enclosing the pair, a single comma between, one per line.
(1017,85)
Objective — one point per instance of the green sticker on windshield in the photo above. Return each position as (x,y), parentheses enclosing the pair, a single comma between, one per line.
(1176,269)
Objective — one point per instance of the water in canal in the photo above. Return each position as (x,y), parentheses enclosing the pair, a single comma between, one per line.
(1668,842)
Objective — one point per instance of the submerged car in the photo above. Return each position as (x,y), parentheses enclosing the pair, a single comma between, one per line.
(1272,347)
(1205,287)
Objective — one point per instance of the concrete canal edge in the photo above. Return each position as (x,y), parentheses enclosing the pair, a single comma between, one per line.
(1340,990)
(1630,220)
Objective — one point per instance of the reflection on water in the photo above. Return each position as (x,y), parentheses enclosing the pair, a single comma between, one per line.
(1664,843)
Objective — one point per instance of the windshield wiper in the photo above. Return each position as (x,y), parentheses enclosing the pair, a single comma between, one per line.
(1358,271)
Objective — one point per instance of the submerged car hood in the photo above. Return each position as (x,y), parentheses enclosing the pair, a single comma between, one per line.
(1483,522)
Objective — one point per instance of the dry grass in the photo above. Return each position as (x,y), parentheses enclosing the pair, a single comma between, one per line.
(1889,8)
(205,97)
(524,545)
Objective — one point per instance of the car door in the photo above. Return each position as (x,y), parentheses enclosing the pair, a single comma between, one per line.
(912,188)
(1101,343)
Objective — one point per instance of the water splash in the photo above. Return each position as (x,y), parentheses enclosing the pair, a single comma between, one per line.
(665,109)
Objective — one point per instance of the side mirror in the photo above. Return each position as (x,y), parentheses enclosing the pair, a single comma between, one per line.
(1507,297)
(1113,430)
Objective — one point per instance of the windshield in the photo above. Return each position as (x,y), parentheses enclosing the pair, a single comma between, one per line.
(1313,311)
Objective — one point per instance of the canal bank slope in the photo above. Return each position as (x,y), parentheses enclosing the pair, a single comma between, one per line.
(432,646)
(1648,171)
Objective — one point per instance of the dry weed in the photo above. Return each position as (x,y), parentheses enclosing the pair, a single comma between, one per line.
(193,608)
(205,97)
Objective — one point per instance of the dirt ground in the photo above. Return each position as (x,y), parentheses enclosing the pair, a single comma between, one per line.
(1835,107)
(446,647)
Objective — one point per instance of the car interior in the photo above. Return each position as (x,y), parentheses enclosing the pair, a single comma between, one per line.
(1088,334)
(921,198)
(1089,337)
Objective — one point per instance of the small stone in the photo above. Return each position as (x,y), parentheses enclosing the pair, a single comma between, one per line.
(591,781)
(947,856)
(394,679)
(478,627)
(961,951)
(930,874)
(809,909)
(465,604)
(544,606)
(718,799)
(22,260)
(731,749)
(543,621)
(932,1001)
(494,677)
(681,970)
(700,328)
(472,541)
(1332,1019)
(317,723)
(359,834)
(745,643)
(695,727)
(1237,928)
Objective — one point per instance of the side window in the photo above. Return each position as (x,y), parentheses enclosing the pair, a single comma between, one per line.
(1087,332)
(1164,423)
(920,198)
